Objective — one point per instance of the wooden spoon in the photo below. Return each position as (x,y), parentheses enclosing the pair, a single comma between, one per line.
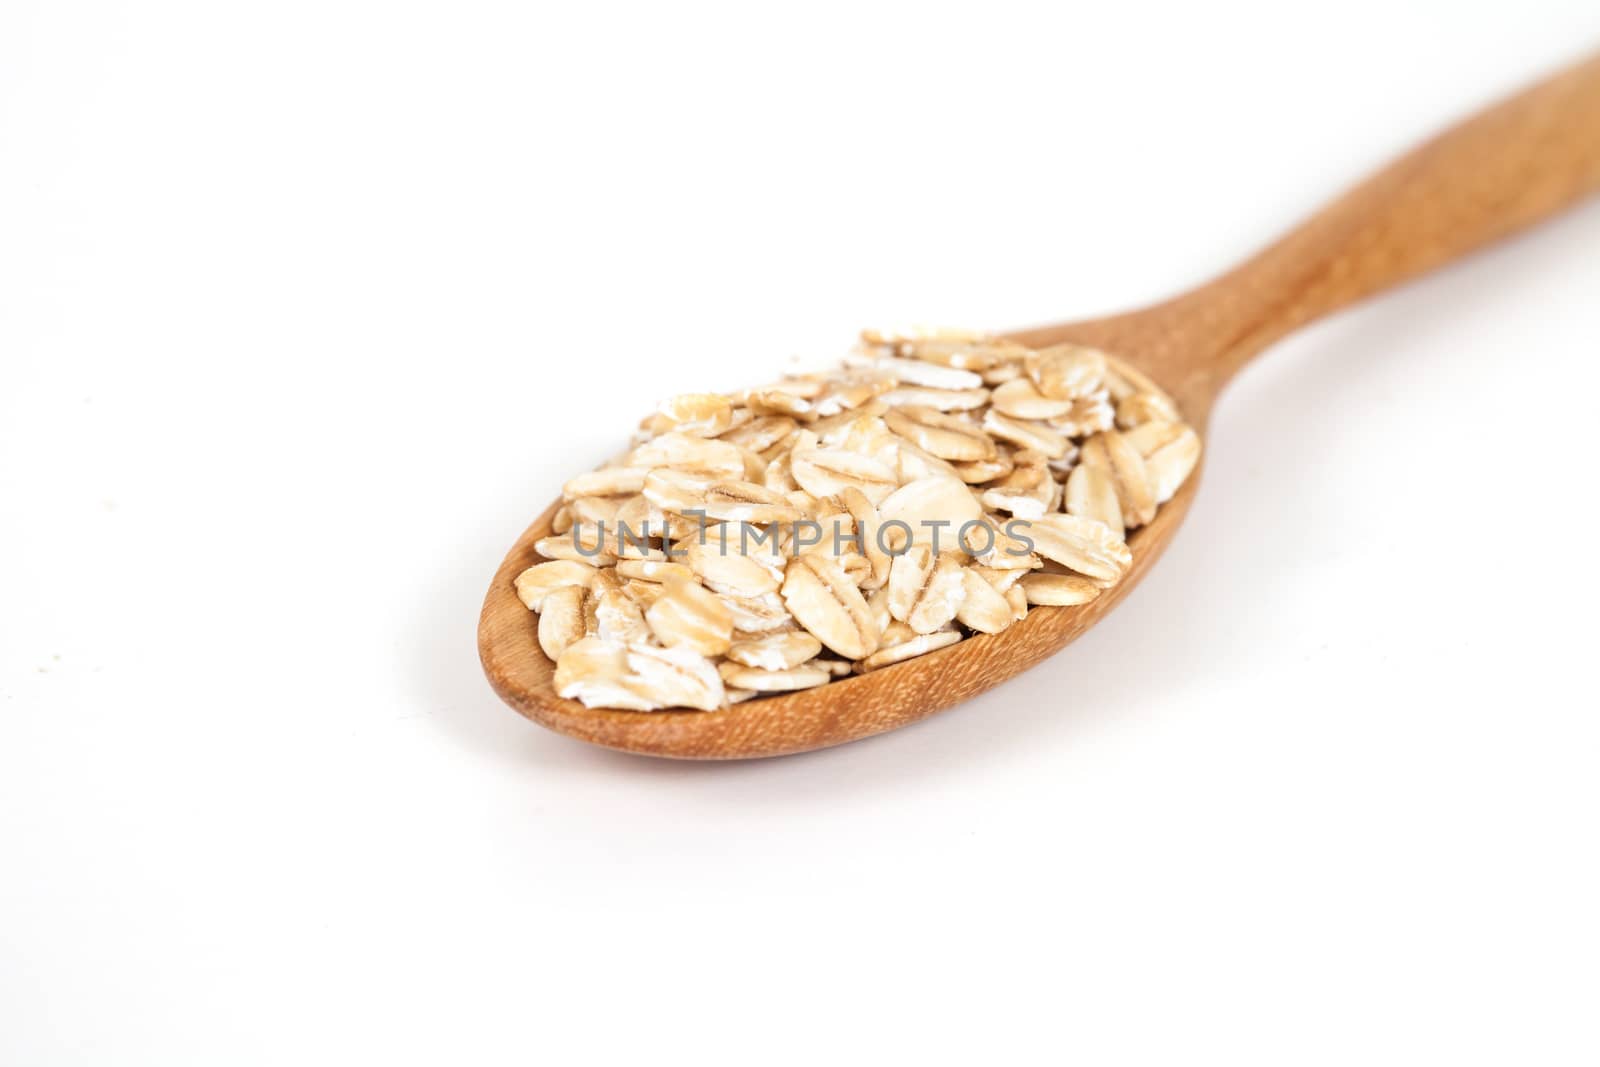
(1515,164)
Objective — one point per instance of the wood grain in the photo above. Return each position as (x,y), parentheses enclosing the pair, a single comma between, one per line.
(1511,166)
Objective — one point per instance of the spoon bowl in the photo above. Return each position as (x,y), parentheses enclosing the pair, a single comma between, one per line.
(1511,166)
(831,714)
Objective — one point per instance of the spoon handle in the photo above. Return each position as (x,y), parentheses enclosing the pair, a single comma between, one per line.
(1515,164)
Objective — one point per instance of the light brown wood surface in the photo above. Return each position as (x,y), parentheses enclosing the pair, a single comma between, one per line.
(1509,167)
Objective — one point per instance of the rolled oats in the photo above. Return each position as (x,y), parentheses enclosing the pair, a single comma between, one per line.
(686,613)
(1006,552)
(747,502)
(776,539)
(1091,490)
(738,569)
(777,402)
(676,677)
(944,436)
(868,525)
(760,433)
(927,374)
(839,668)
(826,472)
(982,608)
(985,470)
(1170,452)
(930,504)
(1002,580)
(1021,399)
(1031,436)
(763,613)
(775,652)
(592,549)
(1066,372)
(913,646)
(608,481)
(925,590)
(1127,467)
(1083,545)
(617,614)
(1058,590)
(1088,414)
(652,570)
(561,620)
(1017,600)
(674,491)
(701,414)
(542,579)
(592,511)
(1140,408)
(715,460)
(1028,491)
(642,593)
(938,399)
(1000,373)
(828,604)
(913,464)
(781,680)
(594,671)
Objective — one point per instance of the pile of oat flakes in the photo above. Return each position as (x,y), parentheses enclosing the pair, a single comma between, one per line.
(937,484)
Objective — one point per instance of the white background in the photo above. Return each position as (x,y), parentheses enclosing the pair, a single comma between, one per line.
(307,307)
